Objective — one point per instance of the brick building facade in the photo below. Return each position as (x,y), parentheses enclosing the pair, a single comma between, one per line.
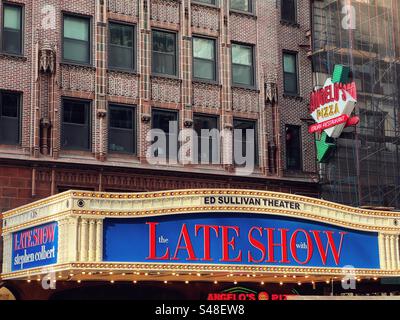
(37,165)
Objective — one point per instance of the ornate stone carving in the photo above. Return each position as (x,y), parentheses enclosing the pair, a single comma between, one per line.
(47,59)
(188,123)
(146,118)
(271,92)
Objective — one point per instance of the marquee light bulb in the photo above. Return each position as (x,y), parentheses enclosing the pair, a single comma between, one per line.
(327,281)
(262,283)
(281,283)
(134,281)
(299,283)
(29,280)
(215,282)
(187,282)
(165,281)
(112,281)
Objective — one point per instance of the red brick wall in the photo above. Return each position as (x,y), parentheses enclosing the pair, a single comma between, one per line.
(42,92)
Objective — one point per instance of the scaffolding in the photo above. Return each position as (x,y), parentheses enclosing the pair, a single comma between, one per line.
(365,170)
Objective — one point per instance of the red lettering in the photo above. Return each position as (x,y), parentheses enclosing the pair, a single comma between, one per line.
(188,245)
(256,244)
(152,243)
(271,245)
(308,244)
(229,243)
(206,242)
(330,244)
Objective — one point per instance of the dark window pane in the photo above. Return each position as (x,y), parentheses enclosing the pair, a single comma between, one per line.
(201,122)
(242,65)
(121,117)
(164,64)
(121,54)
(74,112)
(290,73)
(76,43)
(206,1)
(121,35)
(76,50)
(204,64)
(203,69)
(9,118)
(122,129)
(12,33)
(161,120)
(245,125)
(293,147)
(10,105)
(121,57)
(76,125)
(242,75)
(289,10)
(242,5)
(164,53)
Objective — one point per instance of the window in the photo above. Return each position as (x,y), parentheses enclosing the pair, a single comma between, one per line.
(76,40)
(12,29)
(122,133)
(121,43)
(164,53)
(241,5)
(293,147)
(75,125)
(10,113)
(161,120)
(288,10)
(242,65)
(245,125)
(203,122)
(204,61)
(290,73)
(206,1)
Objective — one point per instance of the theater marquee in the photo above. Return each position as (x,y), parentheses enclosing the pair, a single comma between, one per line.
(218,233)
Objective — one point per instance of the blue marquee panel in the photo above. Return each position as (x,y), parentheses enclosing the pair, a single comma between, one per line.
(312,244)
(35,247)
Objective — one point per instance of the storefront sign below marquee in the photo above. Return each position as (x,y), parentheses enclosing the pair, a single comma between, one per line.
(35,247)
(237,239)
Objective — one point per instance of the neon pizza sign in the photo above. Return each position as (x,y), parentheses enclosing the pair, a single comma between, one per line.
(332,105)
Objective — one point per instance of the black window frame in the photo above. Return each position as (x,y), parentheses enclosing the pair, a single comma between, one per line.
(216,78)
(90,41)
(300,153)
(296,56)
(176,112)
(253,57)
(89,123)
(250,11)
(19,115)
(134,47)
(284,19)
(213,4)
(175,33)
(21,6)
(256,149)
(205,115)
(134,124)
